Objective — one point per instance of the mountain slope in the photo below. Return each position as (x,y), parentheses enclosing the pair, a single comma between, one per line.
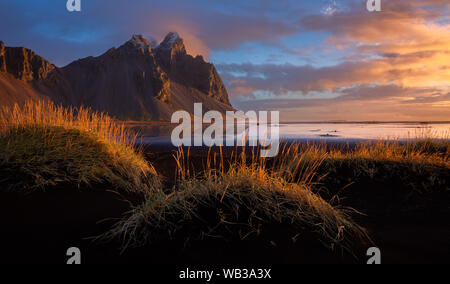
(133,81)
(20,69)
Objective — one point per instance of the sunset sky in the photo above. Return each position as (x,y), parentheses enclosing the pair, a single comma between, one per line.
(311,60)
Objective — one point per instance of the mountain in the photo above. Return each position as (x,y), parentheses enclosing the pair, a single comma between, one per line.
(138,80)
(20,69)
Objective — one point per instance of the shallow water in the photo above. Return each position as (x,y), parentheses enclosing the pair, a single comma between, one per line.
(329,131)
(365,130)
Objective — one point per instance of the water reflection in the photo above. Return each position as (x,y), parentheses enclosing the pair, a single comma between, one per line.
(161,132)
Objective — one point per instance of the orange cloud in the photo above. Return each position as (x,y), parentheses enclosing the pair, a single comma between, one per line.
(397,66)
(411,36)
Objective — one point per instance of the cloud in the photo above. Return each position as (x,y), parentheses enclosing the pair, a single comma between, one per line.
(398,58)
(330,9)
(412,70)
(362,103)
(109,23)
(402,27)
(343,60)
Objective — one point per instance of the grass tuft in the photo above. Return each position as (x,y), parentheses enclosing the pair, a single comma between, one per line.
(43,145)
(243,200)
(421,165)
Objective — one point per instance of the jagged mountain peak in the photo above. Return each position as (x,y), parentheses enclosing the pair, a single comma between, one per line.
(139,40)
(172,37)
(23,63)
(133,81)
(173,41)
(137,43)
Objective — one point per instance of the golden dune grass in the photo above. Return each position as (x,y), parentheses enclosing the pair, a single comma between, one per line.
(42,144)
(420,165)
(247,196)
(240,201)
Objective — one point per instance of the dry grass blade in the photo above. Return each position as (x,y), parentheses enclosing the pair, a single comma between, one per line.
(42,144)
(243,200)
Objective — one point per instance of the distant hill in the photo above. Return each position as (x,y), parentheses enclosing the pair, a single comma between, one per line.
(138,80)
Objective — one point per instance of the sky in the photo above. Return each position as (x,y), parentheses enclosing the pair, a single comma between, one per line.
(316,60)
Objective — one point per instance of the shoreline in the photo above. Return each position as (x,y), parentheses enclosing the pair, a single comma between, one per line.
(152,122)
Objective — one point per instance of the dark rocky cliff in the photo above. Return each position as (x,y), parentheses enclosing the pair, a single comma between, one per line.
(137,80)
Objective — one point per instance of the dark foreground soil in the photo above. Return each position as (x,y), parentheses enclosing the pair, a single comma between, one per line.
(40,227)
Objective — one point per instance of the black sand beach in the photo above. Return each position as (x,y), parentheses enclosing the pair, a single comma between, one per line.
(39,227)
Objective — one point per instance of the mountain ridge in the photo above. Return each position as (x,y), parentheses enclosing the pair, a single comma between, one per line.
(138,80)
